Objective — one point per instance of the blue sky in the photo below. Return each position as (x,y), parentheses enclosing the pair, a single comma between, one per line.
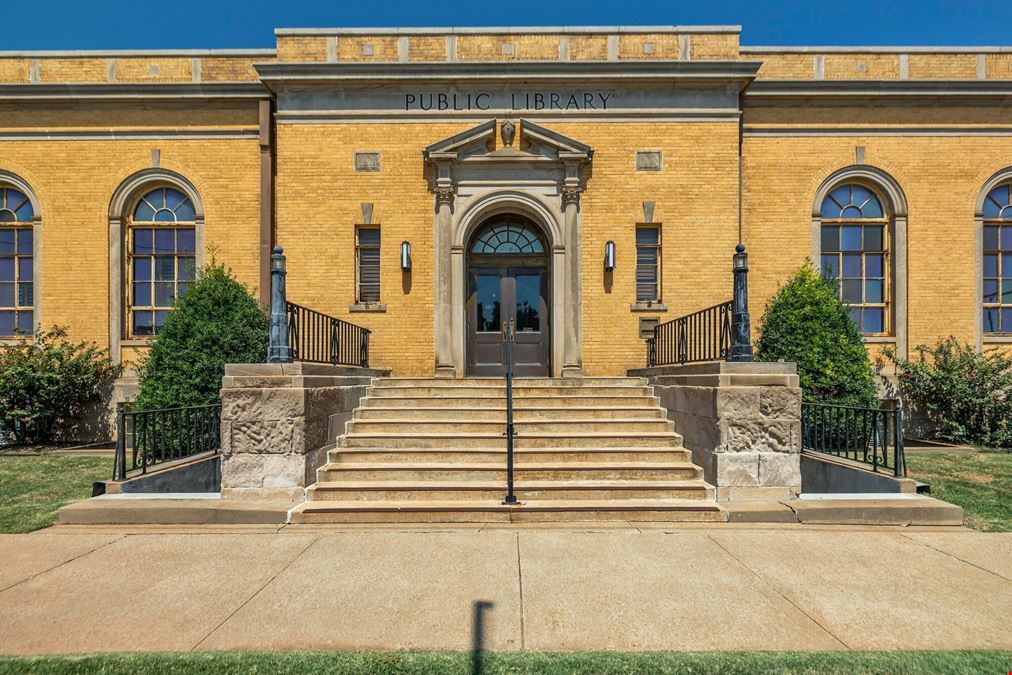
(184,24)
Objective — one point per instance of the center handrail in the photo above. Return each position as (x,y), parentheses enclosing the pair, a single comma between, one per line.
(508,335)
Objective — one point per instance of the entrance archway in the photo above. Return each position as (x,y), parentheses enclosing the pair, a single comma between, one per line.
(508,279)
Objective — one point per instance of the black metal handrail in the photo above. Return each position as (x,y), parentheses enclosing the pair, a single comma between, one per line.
(694,338)
(509,335)
(145,438)
(872,436)
(318,338)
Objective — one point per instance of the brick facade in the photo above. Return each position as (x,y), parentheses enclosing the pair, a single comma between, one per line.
(75,126)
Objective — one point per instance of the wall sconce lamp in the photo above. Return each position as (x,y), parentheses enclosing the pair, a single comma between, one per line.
(609,256)
(406,256)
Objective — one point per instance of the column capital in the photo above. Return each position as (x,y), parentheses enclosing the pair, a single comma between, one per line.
(444,194)
(570,194)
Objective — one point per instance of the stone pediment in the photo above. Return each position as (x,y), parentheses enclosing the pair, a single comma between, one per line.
(493,141)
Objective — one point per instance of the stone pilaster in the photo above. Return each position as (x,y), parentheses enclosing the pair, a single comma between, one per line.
(443,277)
(277,422)
(572,354)
(742,422)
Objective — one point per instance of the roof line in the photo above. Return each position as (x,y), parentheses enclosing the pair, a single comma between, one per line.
(862,49)
(506,30)
(135,52)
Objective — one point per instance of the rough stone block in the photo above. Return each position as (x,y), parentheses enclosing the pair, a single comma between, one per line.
(780,402)
(263,404)
(737,469)
(737,402)
(263,471)
(783,436)
(260,437)
(742,433)
(779,469)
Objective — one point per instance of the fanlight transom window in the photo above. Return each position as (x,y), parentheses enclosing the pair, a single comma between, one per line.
(508,237)
(164,205)
(15,207)
(855,250)
(997,266)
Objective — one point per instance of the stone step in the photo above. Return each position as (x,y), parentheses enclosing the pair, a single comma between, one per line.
(527,470)
(519,391)
(498,413)
(466,455)
(567,401)
(527,440)
(470,427)
(433,490)
(493,510)
(568,382)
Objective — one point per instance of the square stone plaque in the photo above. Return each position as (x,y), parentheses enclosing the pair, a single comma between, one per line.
(367,161)
(648,160)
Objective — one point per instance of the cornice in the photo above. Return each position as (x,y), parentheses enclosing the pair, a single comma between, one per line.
(903,92)
(133,91)
(275,74)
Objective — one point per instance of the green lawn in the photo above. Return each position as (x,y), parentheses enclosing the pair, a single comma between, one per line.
(979,482)
(435,663)
(34,487)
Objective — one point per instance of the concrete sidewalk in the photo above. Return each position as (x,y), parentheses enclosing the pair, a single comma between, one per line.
(623,587)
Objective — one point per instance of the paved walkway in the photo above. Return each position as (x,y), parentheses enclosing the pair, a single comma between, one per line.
(625,587)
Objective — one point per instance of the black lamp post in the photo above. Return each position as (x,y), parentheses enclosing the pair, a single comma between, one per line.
(741,329)
(278,351)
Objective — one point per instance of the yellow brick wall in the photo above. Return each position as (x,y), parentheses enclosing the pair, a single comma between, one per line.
(319,196)
(999,66)
(75,181)
(427,48)
(862,66)
(940,177)
(384,48)
(302,48)
(666,46)
(145,69)
(14,70)
(490,47)
(714,46)
(942,66)
(80,69)
(588,47)
(783,66)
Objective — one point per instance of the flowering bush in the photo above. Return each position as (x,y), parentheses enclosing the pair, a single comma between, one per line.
(965,394)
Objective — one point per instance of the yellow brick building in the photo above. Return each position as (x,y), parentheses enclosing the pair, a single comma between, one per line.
(510,165)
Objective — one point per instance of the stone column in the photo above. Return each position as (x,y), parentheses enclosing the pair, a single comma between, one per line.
(572,355)
(445,366)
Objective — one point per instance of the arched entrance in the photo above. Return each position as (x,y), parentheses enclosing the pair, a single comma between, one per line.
(508,280)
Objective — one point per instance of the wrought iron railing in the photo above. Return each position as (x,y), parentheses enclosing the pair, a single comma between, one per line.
(509,337)
(146,438)
(318,338)
(695,338)
(872,436)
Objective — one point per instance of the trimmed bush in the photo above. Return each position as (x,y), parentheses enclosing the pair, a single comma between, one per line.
(46,384)
(965,394)
(807,323)
(217,321)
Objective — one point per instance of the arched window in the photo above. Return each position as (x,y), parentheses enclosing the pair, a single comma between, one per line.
(508,236)
(17,287)
(161,257)
(855,250)
(997,267)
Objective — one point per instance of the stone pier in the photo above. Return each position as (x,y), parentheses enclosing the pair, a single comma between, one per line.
(277,421)
(742,422)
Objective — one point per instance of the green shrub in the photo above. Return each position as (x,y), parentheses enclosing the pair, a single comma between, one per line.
(966,395)
(807,323)
(46,384)
(217,321)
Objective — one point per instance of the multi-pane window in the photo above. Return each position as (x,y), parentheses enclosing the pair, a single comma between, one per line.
(161,258)
(17,290)
(997,266)
(367,264)
(648,260)
(855,252)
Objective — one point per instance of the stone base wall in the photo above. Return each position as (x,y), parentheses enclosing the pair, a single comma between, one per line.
(278,421)
(742,422)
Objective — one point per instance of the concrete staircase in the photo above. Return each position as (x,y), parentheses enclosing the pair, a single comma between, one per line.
(434,450)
